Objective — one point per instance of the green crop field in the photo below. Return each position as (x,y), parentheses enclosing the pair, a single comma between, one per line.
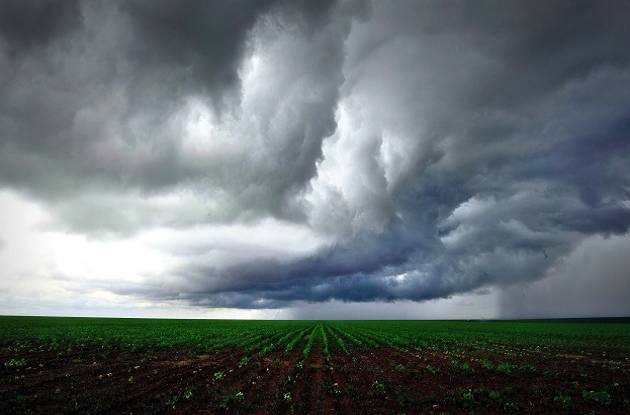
(324,366)
(599,334)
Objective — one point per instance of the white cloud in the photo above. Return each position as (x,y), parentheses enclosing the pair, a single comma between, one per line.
(48,269)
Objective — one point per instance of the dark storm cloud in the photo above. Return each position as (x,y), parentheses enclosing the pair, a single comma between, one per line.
(28,24)
(116,64)
(204,40)
(93,119)
(434,147)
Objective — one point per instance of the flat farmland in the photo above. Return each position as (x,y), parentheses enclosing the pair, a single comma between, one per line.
(100,365)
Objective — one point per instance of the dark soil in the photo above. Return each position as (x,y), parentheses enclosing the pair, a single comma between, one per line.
(492,379)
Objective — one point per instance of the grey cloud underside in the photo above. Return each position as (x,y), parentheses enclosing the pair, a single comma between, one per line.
(27,24)
(90,111)
(442,147)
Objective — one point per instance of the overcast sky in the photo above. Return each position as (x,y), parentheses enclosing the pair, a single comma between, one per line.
(315,159)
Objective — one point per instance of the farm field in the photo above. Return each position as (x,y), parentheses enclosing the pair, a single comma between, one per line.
(99,365)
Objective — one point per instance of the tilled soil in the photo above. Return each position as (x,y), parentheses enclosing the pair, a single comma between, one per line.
(382,380)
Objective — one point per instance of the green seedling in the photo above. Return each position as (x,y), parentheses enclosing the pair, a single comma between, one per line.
(244,361)
(505,368)
(599,396)
(15,362)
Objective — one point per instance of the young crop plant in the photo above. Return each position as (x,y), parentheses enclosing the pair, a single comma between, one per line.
(188,393)
(273,345)
(353,339)
(470,398)
(367,340)
(394,340)
(15,362)
(505,368)
(391,340)
(338,340)
(244,361)
(601,397)
(266,349)
(564,400)
(322,334)
(432,370)
(294,341)
(372,339)
(260,342)
(463,397)
(244,341)
(173,400)
(462,366)
(378,387)
(232,399)
(310,343)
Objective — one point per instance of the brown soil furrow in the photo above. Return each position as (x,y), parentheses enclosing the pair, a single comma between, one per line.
(311,390)
(221,394)
(379,380)
(161,387)
(102,385)
(43,379)
(267,393)
(354,377)
(343,402)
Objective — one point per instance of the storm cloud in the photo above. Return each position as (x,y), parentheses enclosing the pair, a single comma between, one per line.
(273,153)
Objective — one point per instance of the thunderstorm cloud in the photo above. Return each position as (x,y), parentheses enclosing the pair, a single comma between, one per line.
(267,153)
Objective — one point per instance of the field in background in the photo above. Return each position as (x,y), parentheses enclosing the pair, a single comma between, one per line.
(97,365)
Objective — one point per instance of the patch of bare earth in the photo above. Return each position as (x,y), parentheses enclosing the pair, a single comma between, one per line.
(381,380)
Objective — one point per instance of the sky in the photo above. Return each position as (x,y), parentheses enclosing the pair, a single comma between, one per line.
(315,159)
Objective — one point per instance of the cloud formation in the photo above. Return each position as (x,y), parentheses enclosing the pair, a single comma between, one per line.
(280,151)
